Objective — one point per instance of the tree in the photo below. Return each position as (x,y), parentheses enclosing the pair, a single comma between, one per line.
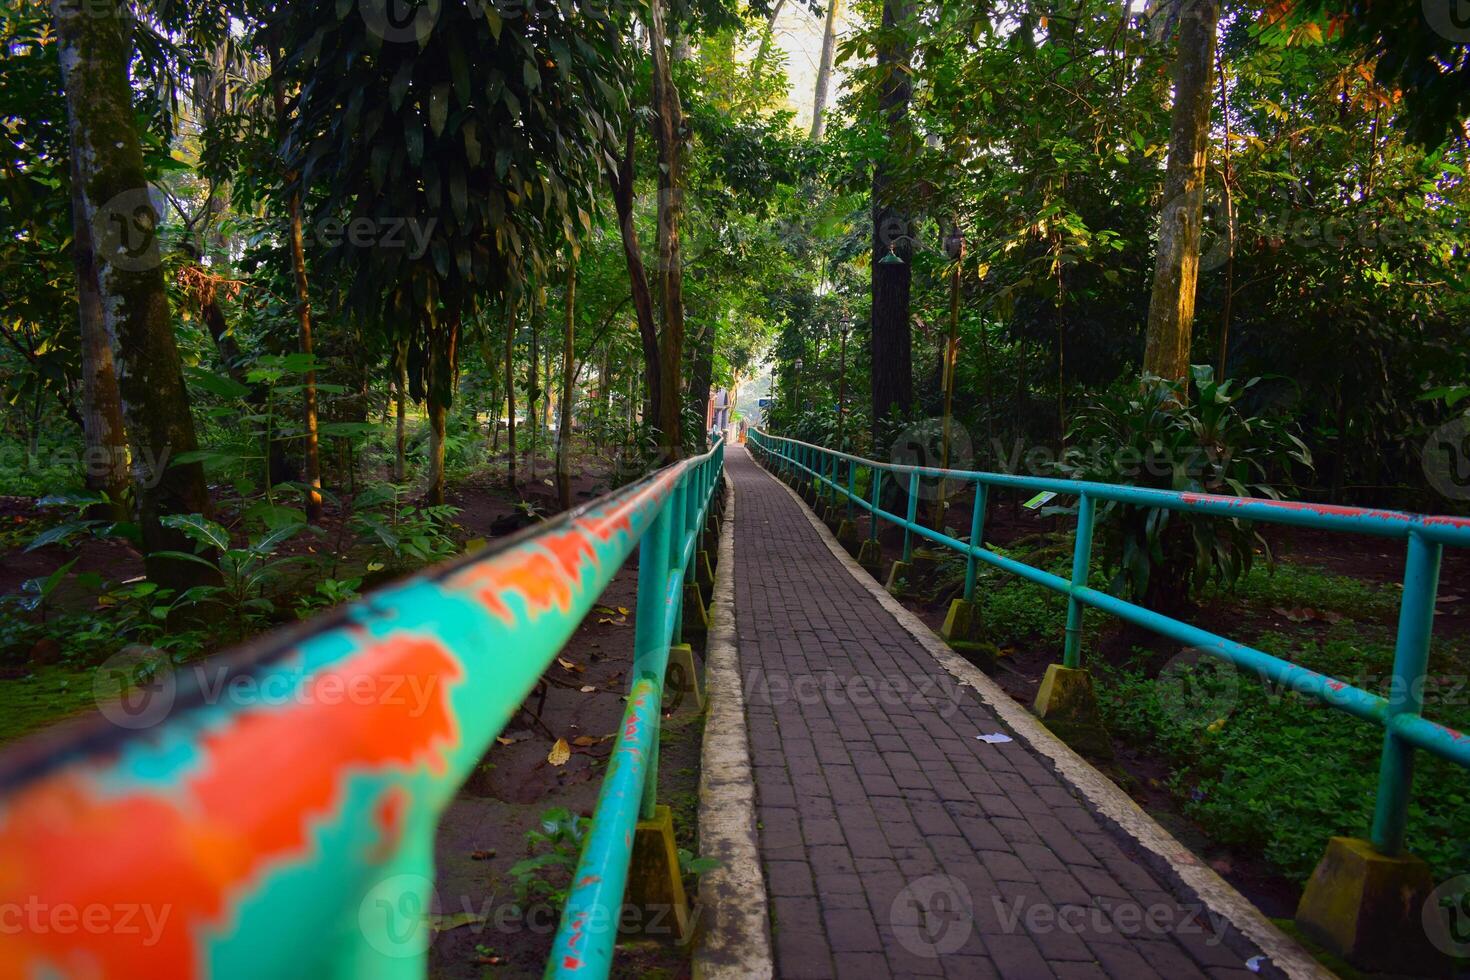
(669,136)
(890,340)
(568,387)
(824,69)
(480,135)
(1176,268)
(94,50)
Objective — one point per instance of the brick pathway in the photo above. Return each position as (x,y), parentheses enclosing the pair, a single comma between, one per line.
(893,842)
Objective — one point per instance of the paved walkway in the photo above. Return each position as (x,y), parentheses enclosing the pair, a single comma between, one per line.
(894,842)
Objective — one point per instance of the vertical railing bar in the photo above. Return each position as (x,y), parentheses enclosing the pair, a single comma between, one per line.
(1406,696)
(913,516)
(1081,565)
(977,535)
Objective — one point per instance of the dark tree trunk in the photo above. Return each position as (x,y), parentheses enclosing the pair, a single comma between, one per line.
(568,392)
(891,340)
(702,369)
(622,186)
(669,130)
(94,50)
(443,369)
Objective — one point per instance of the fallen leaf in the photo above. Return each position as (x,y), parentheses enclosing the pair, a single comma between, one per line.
(568,665)
(588,688)
(560,753)
(482,855)
(505,741)
(622,610)
(441,922)
(582,741)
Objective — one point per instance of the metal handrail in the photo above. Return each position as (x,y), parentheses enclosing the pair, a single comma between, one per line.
(271,812)
(1404,727)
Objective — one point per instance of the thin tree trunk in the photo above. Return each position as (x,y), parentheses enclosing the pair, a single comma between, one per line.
(443,368)
(891,340)
(824,69)
(568,392)
(669,128)
(623,186)
(1176,271)
(106,455)
(1227,176)
(766,35)
(94,51)
(533,395)
(400,394)
(312,449)
(510,389)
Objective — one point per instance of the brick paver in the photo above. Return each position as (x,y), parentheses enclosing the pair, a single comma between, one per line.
(893,841)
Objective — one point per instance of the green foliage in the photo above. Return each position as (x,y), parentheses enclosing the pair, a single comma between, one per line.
(412,535)
(1276,773)
(553,846)
(1166,435)
(244,574)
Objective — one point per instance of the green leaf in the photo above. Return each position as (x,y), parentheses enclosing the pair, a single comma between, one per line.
(216,384)
(199,529)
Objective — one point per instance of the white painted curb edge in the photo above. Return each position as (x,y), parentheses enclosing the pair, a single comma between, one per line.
(735,925)
(1103,794)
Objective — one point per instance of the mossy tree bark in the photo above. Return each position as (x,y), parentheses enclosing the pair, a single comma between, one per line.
(443,372)
(510,391)
(106,455)
(94,50)
(1176,269)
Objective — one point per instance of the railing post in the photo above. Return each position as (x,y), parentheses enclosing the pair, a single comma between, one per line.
(913,516)
(674,547)
(851,486)
(877,496)
(977,532)
(1406,696)
(1081,565)
(648,625)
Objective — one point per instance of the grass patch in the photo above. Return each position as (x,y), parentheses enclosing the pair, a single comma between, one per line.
(1277,772)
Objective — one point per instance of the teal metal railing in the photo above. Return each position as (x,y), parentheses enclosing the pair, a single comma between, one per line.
(1399,714)
(272,812)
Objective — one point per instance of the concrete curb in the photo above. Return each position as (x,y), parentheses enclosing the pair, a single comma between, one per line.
(1104,796)
(734,934)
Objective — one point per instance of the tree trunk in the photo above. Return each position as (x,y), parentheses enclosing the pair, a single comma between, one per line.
(623,186)
(443,368)
(510,389)
(766,35)
(824,69)
(533,393)
(1176,271)
(891,341)
(701,372)
(105,460)
(312,448)
(669,129)
(568,392)
(94,51)
(400,395)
